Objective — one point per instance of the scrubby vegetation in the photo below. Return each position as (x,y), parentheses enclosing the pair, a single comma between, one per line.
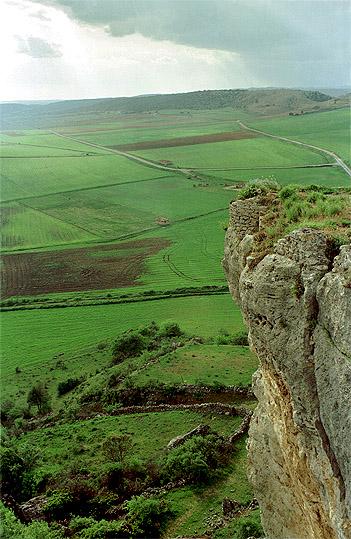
(93,467)
(295,206)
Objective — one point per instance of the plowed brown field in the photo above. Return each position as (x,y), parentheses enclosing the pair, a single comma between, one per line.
(185,141)
(88,268)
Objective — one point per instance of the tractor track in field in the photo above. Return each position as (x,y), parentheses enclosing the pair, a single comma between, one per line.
(167,260)
(329,153)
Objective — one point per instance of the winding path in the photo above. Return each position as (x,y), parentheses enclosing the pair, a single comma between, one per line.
(337,159)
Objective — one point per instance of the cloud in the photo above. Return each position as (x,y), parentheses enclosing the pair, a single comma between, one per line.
(280,40)
(38,48)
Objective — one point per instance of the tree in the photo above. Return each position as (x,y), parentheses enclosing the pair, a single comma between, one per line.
(116,447)
(39,396)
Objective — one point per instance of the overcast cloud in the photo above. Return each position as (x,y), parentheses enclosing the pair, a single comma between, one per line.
(126,47)
(38,48)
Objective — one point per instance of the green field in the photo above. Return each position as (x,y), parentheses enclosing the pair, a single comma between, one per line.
(106,213)
(207,364)
(256,152)
(156,132)
(22,178)
(327,176)
(33,337)
(329,130)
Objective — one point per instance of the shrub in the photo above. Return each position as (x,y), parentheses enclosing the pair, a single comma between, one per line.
(113,477)
(16,466)
(289,191)
(249,527)
(171,330)
(258,187)
(67,385)
(11,528)
(39,396)
(116,447)
(104,529)
(58,504)
(128,345)
(146,515)
(195,460)
(240,338)
(80,523)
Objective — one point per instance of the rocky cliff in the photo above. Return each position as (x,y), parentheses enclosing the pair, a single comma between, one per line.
(296,301)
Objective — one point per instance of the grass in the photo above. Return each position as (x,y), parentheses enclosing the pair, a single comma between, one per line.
(194,505)
(156,132)
(194,256)
(105,213)
(330,130)
(294,207)
(43,176)
(80,442)
(205,364)
(325,176)
(31,339)
(256,152)
(26,227)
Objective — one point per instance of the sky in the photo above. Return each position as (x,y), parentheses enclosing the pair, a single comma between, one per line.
(73,49)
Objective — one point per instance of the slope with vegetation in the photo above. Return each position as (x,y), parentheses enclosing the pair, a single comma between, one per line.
(98,245)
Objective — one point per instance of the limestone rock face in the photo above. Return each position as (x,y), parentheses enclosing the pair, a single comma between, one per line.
(296,302)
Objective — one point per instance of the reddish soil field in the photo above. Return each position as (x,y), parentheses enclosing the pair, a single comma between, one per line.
(186,141)
(88,268)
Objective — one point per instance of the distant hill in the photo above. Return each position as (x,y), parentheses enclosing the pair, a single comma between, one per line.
(259,101)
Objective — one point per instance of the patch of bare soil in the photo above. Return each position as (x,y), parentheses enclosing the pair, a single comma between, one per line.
(88,268)
(186,141)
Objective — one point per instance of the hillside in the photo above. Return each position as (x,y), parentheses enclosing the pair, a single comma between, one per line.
(260,101)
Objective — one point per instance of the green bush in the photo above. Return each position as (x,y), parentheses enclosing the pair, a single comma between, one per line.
(289,191)
(170,330)
(58,504)
(242,527)
(258,187)
(146,516)
(67,385)
(128,345)
(104,529)
(11,528)
(249,527)
(195,460)
(239,338)
(117,446)
(39,396)
(16,469)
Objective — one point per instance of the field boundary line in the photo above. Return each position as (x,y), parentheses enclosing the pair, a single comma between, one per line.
(111,301)
(83,189)
(106,241)
(337,159)
(322,165)
(56,219)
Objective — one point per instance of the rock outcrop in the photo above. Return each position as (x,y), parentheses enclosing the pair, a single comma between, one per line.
(296,301)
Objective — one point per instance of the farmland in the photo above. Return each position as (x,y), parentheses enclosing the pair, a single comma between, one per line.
(258,152)
(100,246)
